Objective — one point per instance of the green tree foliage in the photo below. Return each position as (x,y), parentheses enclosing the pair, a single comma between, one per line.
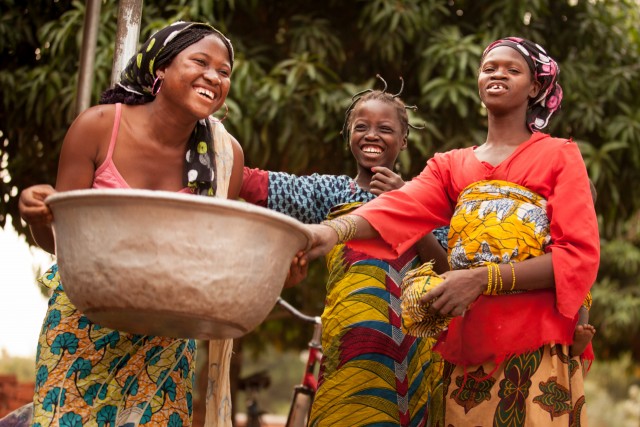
(299,62)
(616,295)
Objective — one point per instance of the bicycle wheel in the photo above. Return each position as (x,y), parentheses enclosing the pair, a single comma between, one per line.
(300,407)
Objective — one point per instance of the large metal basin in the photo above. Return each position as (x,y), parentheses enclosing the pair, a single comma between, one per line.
(177,265)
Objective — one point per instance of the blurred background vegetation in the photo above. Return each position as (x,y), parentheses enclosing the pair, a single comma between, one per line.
(297,65)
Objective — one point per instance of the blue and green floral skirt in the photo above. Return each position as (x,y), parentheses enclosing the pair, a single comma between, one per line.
(87,375)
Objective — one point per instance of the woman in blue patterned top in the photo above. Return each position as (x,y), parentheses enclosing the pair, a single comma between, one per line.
(371,372)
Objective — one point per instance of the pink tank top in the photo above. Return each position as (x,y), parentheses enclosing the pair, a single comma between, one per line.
(107,175)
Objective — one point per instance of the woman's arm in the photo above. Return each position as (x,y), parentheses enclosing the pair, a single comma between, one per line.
(324,237)
(405,215)
(462,287)
(37,214)
(575,240)
(255,186)
(402,217)
(429,248)
(76,168)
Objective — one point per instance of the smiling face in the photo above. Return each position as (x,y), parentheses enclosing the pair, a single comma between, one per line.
(505,82)
(377,134)
(199,77)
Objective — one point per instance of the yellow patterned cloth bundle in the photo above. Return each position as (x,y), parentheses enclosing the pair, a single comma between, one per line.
(416,318)
(495,222)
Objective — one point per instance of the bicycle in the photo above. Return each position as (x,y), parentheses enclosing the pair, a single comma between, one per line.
(304,393)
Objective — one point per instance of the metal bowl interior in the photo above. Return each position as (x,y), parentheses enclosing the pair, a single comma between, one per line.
(170,264)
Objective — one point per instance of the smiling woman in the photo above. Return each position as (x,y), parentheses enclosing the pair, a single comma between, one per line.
(393,379)
(153,132)
(199,66)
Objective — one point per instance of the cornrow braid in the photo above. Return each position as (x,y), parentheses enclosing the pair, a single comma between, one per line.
(383,96)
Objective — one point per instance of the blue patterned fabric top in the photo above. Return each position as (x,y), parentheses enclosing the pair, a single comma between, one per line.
(442,234)
(309,198)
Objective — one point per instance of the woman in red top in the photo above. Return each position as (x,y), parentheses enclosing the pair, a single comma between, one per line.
(523,246)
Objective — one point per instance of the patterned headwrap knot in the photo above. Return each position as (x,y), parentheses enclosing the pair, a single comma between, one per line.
(545,70)
(139,76)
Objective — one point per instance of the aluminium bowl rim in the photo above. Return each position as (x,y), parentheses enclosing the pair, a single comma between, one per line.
(159,195)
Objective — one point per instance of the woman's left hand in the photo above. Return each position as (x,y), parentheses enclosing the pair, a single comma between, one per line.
(458,290)
(383,180)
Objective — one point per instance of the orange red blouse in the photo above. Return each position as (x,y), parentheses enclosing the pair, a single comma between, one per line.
(498,326)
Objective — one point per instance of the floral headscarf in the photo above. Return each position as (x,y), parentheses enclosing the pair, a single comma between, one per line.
(545,70)
(139,77)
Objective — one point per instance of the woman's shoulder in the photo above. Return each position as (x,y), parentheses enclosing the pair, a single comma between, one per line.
(100,112)
(555,154)
(238,153)
(92,127)
(452,156)
(552,141)
(456,152)
(96,118)
(557,150)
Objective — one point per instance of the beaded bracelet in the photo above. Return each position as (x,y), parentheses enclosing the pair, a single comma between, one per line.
(494,280)
(499,277)
(491,280)
(513,276)
(344,226)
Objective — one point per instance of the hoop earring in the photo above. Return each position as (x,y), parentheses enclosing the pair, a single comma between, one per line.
(154,90)
(225,114)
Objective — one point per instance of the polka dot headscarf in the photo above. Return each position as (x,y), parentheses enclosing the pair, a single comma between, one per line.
(545,70)
(139,77)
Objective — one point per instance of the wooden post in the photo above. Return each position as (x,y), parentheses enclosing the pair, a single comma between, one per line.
(88,55)
(127,35)
(218,402)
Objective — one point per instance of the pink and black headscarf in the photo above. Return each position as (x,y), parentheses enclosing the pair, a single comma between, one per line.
(545,70)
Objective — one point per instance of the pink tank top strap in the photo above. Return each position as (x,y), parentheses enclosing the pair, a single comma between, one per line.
(114,132)
(107,175)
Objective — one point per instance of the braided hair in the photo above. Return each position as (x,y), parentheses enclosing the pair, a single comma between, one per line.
(383,96)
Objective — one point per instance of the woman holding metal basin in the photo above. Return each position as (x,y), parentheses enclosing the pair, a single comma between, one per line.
(137,139)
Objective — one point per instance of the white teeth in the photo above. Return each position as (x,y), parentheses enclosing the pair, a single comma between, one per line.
(372,150)
(205,92)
